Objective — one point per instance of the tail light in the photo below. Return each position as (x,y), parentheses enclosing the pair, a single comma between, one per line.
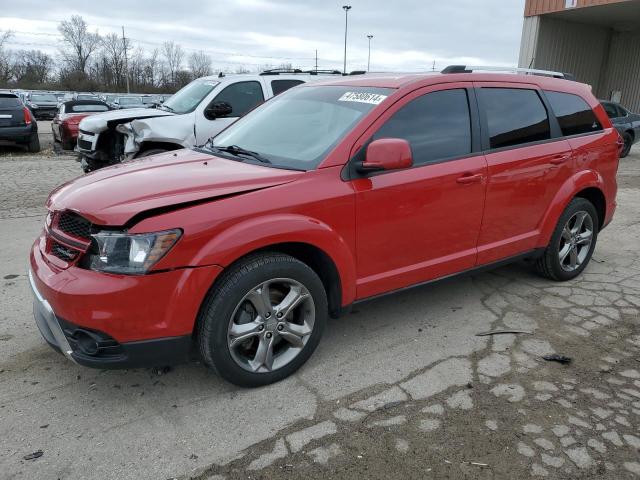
(27,116)
(620,142)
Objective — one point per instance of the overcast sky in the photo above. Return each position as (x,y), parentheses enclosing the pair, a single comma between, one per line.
(408,34)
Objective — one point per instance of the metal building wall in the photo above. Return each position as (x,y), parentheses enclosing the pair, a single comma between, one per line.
(623,70)
(529,41)
(572,47)
(539,7)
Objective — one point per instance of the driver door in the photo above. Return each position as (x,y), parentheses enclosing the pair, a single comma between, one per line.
(242,96)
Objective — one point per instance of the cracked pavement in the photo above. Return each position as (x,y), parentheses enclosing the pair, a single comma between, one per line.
(400,388)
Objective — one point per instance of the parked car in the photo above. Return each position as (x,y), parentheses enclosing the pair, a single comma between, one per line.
(149,101)
(327,195)
(627,124)
(128,102)
(43,105)
(65,123)
(17,125)
(87,96)
(197,112)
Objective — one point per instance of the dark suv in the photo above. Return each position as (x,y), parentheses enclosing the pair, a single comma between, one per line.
(17,125)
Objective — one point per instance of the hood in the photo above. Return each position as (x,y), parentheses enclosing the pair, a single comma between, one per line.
(112,196)
(75,118)
(99,122)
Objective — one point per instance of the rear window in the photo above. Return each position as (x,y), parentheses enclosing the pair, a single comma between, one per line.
(9,101)
(279,86)
(514,116)
(610,108)
(574,114)
(88,108)
(37,97)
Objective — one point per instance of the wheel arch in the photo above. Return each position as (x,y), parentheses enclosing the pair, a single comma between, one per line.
(587,184)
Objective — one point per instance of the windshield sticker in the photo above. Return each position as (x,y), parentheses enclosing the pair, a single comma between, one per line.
(362,97)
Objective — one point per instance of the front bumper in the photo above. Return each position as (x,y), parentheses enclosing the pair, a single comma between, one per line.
(108,321)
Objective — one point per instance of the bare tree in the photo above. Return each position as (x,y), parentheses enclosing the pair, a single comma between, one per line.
(80,43)
(113,48)
(5,58)
(32,67)
(173,55)
(200,64)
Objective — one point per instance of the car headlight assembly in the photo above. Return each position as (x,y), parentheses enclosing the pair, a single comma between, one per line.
(129,254)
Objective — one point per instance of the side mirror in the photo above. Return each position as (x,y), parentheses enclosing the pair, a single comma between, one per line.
(387,154)
(218,109)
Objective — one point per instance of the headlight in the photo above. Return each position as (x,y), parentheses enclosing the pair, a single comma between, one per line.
(120,252)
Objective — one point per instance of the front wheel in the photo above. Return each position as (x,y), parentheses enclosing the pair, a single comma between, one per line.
(572,242)
(262,320)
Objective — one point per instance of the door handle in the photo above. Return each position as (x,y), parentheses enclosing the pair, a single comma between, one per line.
(468,179)
(559,159)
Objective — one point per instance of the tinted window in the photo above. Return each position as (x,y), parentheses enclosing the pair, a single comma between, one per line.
(611,110)
(437,125)
(242,97)
(514,116)
(574,114)
(279,86)
(43,98)
(9,101)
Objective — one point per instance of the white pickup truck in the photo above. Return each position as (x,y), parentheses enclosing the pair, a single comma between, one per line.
(194,114)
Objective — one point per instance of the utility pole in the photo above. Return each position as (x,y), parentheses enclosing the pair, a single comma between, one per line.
(369,57)
(346,24)
(126,62)
(316,59)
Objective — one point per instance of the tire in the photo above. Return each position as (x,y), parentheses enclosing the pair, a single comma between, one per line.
(628,143)
(571,242)
(34,143)
(227,307)
(89,165)
(66,144)
(153,151)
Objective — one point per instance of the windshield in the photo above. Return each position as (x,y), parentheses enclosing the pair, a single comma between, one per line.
(130,101)
(299,127)
(87,97)
(189,97)
(44,98)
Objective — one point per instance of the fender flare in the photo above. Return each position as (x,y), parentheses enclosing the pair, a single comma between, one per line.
(570,188)
(262,232)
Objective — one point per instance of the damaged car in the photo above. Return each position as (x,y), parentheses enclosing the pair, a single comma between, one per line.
(194,114)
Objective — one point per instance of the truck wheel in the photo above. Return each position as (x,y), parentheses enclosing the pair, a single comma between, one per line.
(262,320)
(34,143)
(153,151)
(628,143)
(572,242)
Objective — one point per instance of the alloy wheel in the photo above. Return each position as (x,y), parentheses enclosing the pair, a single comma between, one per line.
(575,241)
(271,325)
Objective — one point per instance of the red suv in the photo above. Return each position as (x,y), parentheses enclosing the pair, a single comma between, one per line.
(326,195)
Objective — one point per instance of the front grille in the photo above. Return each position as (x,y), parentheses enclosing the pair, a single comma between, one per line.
(83,144)
(74,225)
(85,132)
(62,252)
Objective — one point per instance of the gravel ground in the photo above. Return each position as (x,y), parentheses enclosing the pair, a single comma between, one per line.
(401,388)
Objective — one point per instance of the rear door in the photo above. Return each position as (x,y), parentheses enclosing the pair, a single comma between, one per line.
(528,161)
(421,223)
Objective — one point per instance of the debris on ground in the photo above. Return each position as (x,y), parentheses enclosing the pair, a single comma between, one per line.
(502,332)
(34,455)
(160,370)
(563,359)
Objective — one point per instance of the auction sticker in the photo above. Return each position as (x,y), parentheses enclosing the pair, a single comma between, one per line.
(362,97)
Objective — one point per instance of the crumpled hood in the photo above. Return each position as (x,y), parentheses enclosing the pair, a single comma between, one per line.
(98,123)
(113,195)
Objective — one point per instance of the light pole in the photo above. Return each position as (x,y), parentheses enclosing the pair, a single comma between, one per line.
(369,57)
(346,16)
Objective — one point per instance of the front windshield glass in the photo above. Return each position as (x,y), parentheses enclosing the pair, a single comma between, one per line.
(44,98)
(87,97)
(189,97)
(298,128)
(130,101)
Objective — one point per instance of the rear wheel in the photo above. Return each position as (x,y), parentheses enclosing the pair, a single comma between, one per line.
(263,320)
(572,242)
(34,143)
(628,143)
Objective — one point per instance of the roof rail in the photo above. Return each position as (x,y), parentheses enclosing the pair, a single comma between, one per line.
(526,71)
(278,71)
(316,71)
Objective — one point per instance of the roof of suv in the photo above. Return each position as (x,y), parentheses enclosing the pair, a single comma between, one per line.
(401,80)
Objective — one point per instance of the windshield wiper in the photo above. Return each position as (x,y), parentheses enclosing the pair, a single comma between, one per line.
(237,151)
(163,106)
